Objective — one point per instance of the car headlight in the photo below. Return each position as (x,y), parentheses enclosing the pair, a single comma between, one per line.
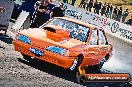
(23,39)
(58,50)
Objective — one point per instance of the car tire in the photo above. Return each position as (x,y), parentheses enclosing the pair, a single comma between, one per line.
(26,57)
(104,60)
(78,60)
(99,66)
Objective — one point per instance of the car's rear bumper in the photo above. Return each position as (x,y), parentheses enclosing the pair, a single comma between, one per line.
(50,57)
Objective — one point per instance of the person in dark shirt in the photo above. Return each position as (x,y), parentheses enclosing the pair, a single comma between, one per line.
(42,14)
(129,22)
(103,10)
(107,10)
(50,6)
(65,1)
(115,13)
(95,6)
(35,16)
(119,15)
(125,14)
(73,2)
(89,5)
(110,12)
(81,3)
(100,6)
(58,11)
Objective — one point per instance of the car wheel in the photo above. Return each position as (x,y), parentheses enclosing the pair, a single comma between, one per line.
(78,60)
(98,67)
(26,57)
(103,61)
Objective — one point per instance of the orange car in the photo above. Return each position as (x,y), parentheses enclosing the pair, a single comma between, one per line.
(65,42)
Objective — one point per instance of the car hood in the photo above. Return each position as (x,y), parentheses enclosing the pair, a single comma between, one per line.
(40,34)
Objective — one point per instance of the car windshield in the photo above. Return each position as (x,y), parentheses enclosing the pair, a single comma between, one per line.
(77,31)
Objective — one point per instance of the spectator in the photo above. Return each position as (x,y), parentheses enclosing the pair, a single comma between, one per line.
(95,6)
(100,6)
(103,10)
(43,13)
(73,2)
(111,9)
(65,1)
(90,5)
(35,16)
(125,14)
(115,12)
(85,3)
(58,11)
(81,3)
(36,6)
(119,15)
(107,10)
(129,21)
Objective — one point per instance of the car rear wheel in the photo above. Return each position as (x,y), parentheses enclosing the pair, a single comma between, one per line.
(99,66)
(78,60)
(103,61)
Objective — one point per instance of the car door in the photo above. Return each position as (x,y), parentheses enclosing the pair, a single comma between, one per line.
(103,44)
(93,46)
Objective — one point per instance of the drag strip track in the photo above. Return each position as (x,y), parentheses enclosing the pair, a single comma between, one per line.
(15,72)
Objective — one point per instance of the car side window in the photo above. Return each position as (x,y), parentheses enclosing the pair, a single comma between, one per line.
(102,39)
(94,38)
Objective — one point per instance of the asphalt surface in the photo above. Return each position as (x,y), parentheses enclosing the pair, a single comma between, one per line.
(15,72)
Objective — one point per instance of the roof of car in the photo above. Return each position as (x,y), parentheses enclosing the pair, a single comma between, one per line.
(78,21)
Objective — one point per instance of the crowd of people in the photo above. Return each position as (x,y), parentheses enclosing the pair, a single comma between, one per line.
(106,9)
(44,10)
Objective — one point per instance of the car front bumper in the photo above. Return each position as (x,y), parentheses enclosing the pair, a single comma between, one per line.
(63,61)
